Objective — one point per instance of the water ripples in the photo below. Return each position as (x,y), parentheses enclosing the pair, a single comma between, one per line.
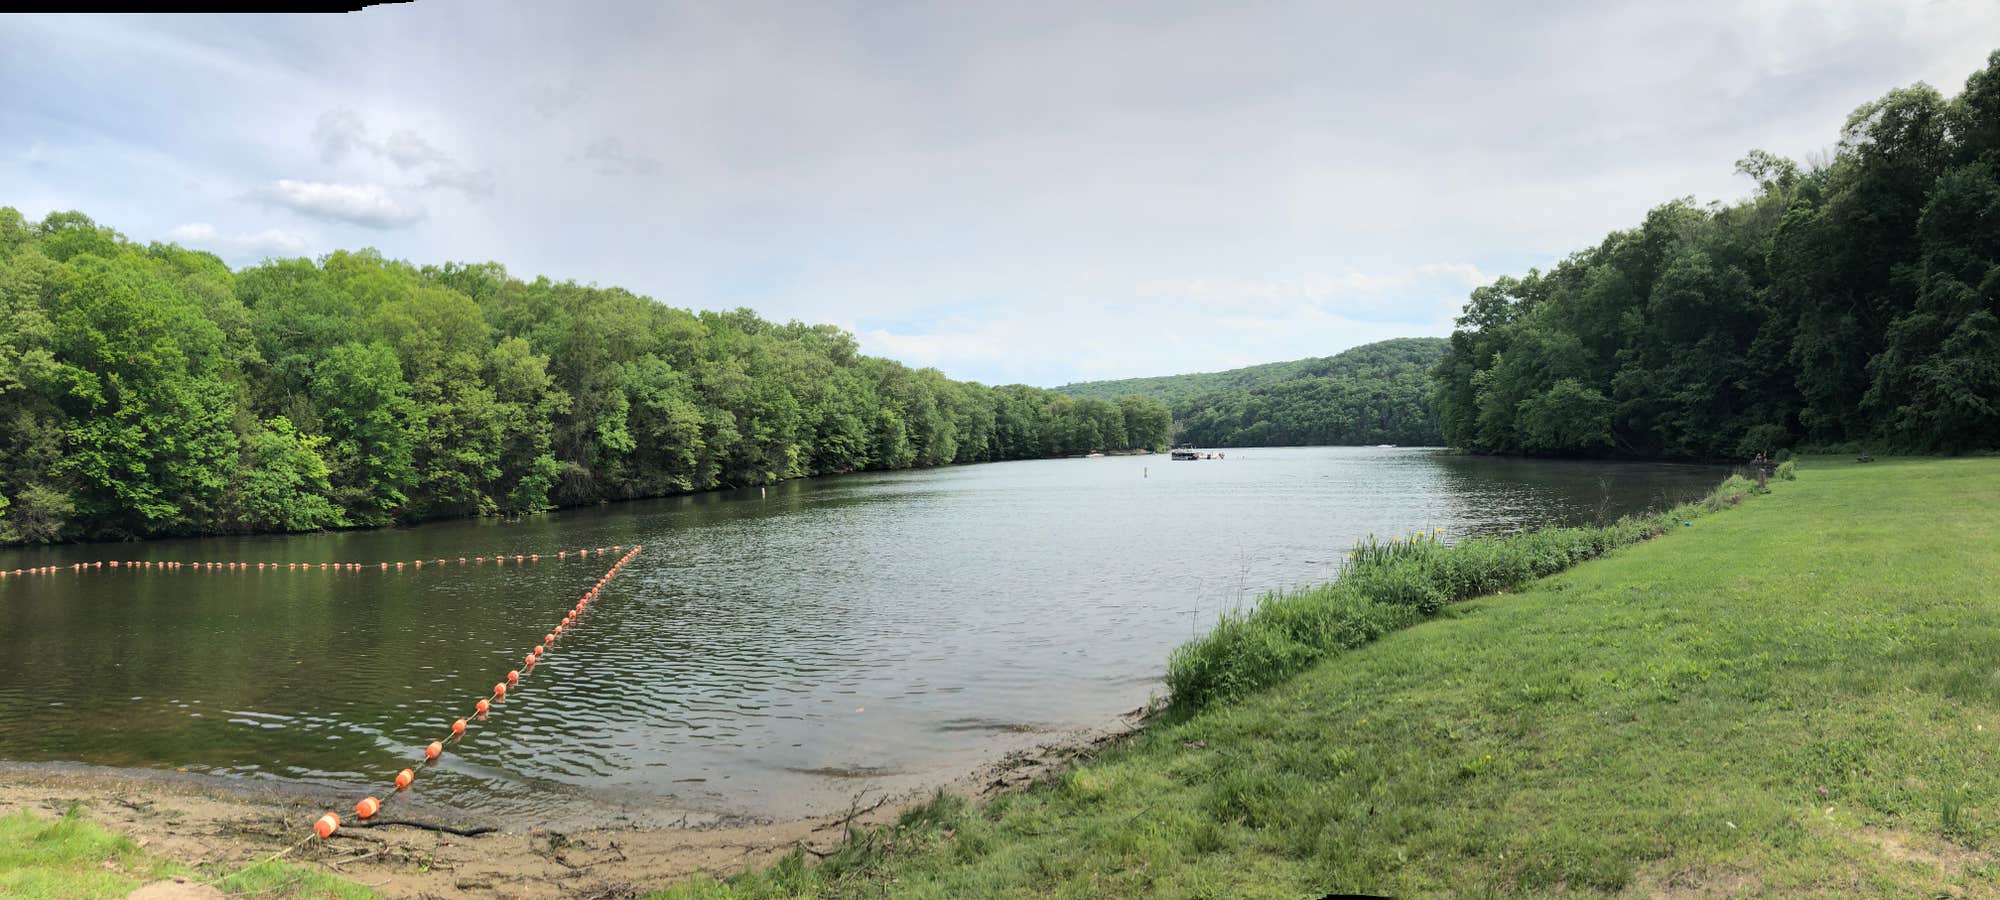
(765,656)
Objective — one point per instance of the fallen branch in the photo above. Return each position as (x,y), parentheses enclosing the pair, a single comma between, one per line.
(430,826)
(854,811)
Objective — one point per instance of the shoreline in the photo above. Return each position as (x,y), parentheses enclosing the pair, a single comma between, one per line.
(209,821)
(595,504)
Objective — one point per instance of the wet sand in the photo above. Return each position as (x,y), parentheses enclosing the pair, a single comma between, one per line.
(204,821)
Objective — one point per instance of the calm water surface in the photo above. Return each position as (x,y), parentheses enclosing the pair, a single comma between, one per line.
(768,655)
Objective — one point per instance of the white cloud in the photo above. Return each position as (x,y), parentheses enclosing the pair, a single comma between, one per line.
(270,242)
(340,134)
(1408,295)
(239,247)
(474,185)
(192,232)
(367,205)
(607,156)
(407,150)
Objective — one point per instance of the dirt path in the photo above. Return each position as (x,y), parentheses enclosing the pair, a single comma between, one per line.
(201,821)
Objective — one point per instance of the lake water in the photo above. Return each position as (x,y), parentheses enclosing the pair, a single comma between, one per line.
(769,654)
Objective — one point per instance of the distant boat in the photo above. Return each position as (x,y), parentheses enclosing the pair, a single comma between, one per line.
(1094,454)
(1385,446)
(1187,451)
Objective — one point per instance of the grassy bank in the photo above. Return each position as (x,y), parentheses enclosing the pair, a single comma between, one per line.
(71,858)
(1794,696)
(1393,584)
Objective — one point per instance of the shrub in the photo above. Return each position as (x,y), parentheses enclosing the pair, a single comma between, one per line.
(1787,471)
(1407,583)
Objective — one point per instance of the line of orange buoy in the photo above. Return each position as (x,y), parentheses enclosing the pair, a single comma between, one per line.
(172,566)
(369,806)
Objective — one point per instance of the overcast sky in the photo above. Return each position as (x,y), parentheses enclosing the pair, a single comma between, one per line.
(1008,191)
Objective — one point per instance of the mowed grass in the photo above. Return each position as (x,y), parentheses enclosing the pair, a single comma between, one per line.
(72,858)
(1800,695)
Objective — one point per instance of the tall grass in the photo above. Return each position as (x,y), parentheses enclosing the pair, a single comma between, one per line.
(1389,585)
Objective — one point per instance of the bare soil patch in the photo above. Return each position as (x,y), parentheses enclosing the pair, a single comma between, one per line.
(203,821)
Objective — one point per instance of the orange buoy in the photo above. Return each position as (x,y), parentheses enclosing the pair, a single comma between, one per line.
(562,554)
(528,660)
(513,676)
(461,560)
(458,727)
(400,565)
(440,562)
(482,706)
(534,557)
(558,631)
(432,751)
(548,639)
(479,559)
(500,690)
(404,778)
(420,564)
(367,807)
(326,826)
(385,567)
(518,557)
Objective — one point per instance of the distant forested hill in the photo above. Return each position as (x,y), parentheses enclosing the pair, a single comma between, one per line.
(1854,299)
(1373,394)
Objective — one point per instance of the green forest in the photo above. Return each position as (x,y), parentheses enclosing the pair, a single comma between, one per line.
(1376,393)
(1854,301)
(1177,390)
(149,390)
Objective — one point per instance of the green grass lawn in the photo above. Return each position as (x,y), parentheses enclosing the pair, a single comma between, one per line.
(1798,695)
(72,858)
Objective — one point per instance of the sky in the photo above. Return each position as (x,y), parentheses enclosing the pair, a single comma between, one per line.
(1011,192)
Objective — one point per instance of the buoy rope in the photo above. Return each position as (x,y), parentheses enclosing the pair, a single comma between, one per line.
(149,565)
(432,752)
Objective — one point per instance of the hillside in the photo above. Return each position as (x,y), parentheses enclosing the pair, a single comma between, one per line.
(1374,393)
(1178,389)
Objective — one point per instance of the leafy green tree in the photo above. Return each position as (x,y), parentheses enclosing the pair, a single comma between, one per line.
(149,390)
(1853,301)
(369,420)
(285,481)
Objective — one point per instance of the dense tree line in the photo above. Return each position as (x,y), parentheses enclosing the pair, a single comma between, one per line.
(1852,301)
(1377,393)
(150,390)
